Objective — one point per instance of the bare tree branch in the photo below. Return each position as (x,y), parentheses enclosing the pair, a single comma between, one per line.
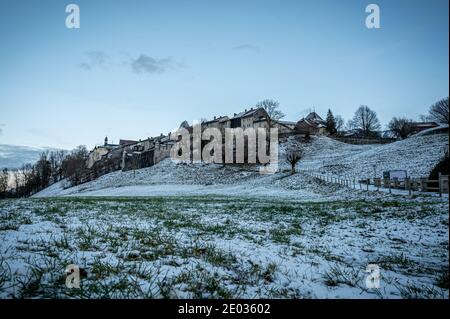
(439,111)
(293,155)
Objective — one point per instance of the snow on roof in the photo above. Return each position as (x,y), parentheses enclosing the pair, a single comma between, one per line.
(424,124)
(313,116)
(434,130)
(287,122)
(109,145)
(127,142)
(218,119)
(247,113)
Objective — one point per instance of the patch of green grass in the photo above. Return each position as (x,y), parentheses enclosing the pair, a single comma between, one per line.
(282,234)
(442,281)
(339,274)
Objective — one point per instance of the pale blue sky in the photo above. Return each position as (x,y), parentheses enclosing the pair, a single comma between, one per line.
(138,68)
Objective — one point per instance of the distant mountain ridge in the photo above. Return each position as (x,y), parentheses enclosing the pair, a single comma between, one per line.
(14,156)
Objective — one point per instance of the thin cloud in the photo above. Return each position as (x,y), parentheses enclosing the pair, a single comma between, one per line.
(85,66)
(150,65)
(95,59)
(247,47)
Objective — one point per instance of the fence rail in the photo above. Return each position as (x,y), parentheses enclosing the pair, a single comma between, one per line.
(423,184)
(362,141)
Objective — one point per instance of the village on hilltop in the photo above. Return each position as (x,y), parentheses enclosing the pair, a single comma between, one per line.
(132,154)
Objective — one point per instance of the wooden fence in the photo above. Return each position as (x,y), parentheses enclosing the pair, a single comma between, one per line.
(440,186)
(362,141)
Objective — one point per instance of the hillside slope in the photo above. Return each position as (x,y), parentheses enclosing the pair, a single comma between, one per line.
(417,155)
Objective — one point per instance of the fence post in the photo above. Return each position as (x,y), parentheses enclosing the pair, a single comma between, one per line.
(395,182)
(440,184)
(368,182)
(423,184)
(408,184)
(390,190)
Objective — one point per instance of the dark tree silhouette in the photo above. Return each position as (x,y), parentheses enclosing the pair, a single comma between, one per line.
(272,108)
(439,111)
(401,127)
(365,120)
(293,155)
(330,123)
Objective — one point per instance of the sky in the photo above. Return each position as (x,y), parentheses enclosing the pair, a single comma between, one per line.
(135,69)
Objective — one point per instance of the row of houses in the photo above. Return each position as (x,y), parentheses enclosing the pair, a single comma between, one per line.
(130,154)
(253,117)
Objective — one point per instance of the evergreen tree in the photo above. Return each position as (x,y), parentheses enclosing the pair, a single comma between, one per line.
(330,123)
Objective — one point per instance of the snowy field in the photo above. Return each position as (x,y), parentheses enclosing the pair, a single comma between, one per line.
(208,231)
(223,247)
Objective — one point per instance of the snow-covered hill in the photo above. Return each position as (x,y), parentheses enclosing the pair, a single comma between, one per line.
(14,156)
(417,155)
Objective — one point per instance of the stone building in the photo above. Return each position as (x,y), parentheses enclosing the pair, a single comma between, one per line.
(247,118)
(312,124)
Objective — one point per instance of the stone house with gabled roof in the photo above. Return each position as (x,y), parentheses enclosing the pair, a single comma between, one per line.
(312,124)
(247,118)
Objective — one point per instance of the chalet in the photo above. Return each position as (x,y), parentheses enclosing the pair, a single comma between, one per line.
(312,124)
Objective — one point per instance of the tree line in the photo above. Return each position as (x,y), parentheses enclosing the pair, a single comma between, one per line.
(365,120)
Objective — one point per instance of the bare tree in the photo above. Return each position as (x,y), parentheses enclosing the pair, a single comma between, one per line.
(44,170)
(17,180)
(339,123)
(272,108)
(4,178)
(365,120)
(74,164)
(439,111)
(293,155)
(401,127)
